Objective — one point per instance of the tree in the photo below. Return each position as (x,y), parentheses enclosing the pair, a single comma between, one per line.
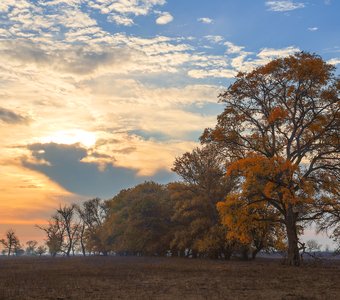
(312,246)
(139,220)
(62,230)
(41,250)
(198,229)
(280,131)
(31,247)
(54,235)
(11,242)
(92,237)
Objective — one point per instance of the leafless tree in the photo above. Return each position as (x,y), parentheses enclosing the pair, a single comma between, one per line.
(11,242)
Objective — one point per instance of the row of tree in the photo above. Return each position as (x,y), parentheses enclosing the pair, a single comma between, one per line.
(11,246)
(269,167)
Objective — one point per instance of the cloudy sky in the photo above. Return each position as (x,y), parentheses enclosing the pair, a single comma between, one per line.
(99,95)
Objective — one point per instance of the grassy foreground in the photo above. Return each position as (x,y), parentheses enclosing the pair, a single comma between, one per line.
(164,278)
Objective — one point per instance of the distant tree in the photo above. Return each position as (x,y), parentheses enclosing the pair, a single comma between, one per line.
(54,235)
(313,245)
(280,130)
(19,251)
(11,242)
(327,249)
(330,222)
(41,250)
(31,247)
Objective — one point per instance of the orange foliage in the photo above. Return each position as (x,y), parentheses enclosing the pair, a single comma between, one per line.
(277,114)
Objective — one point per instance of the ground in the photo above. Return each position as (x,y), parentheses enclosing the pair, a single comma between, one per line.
(164,278)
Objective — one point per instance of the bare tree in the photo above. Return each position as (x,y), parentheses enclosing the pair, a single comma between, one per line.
(41,250)
(312,246)
(31,247)
(92,214)
(62,230)
(11,242)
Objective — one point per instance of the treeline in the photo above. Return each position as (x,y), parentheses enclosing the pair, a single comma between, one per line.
(177,219)
(12,246)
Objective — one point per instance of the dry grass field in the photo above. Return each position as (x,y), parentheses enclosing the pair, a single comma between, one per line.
(164,278)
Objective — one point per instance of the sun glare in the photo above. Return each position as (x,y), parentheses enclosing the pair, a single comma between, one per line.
(69,137)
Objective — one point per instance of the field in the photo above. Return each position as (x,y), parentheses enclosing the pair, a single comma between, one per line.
(164,278)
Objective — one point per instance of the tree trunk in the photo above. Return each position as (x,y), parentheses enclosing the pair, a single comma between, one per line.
(82,247)
(245,253)
(293,258)
(254,253)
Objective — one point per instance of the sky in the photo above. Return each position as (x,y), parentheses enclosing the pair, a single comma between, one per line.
(100,95)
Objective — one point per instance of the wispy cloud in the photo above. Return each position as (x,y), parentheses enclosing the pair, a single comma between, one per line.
(11,117)
(313,28)
(285,5)
(214,38)
(205,20)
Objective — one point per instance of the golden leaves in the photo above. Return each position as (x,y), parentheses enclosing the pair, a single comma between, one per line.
(277,114)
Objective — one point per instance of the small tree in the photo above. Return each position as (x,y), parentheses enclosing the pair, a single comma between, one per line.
(41,250)
(92,214)
(313,246)
(11,242)
(62,230)
(31,247)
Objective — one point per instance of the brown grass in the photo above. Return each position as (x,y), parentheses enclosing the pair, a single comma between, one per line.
(164,278)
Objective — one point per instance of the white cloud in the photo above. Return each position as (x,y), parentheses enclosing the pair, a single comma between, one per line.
(133,7)
(205,20)
(232,48)
(164,18)
(313,28)
(274,53)
(214,38)
(121,20)
(285,5)
(334,61)
(217,73)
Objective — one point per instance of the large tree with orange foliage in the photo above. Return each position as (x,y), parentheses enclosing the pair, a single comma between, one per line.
(280,128)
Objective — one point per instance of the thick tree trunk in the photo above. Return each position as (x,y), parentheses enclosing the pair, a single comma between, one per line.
(293,258)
